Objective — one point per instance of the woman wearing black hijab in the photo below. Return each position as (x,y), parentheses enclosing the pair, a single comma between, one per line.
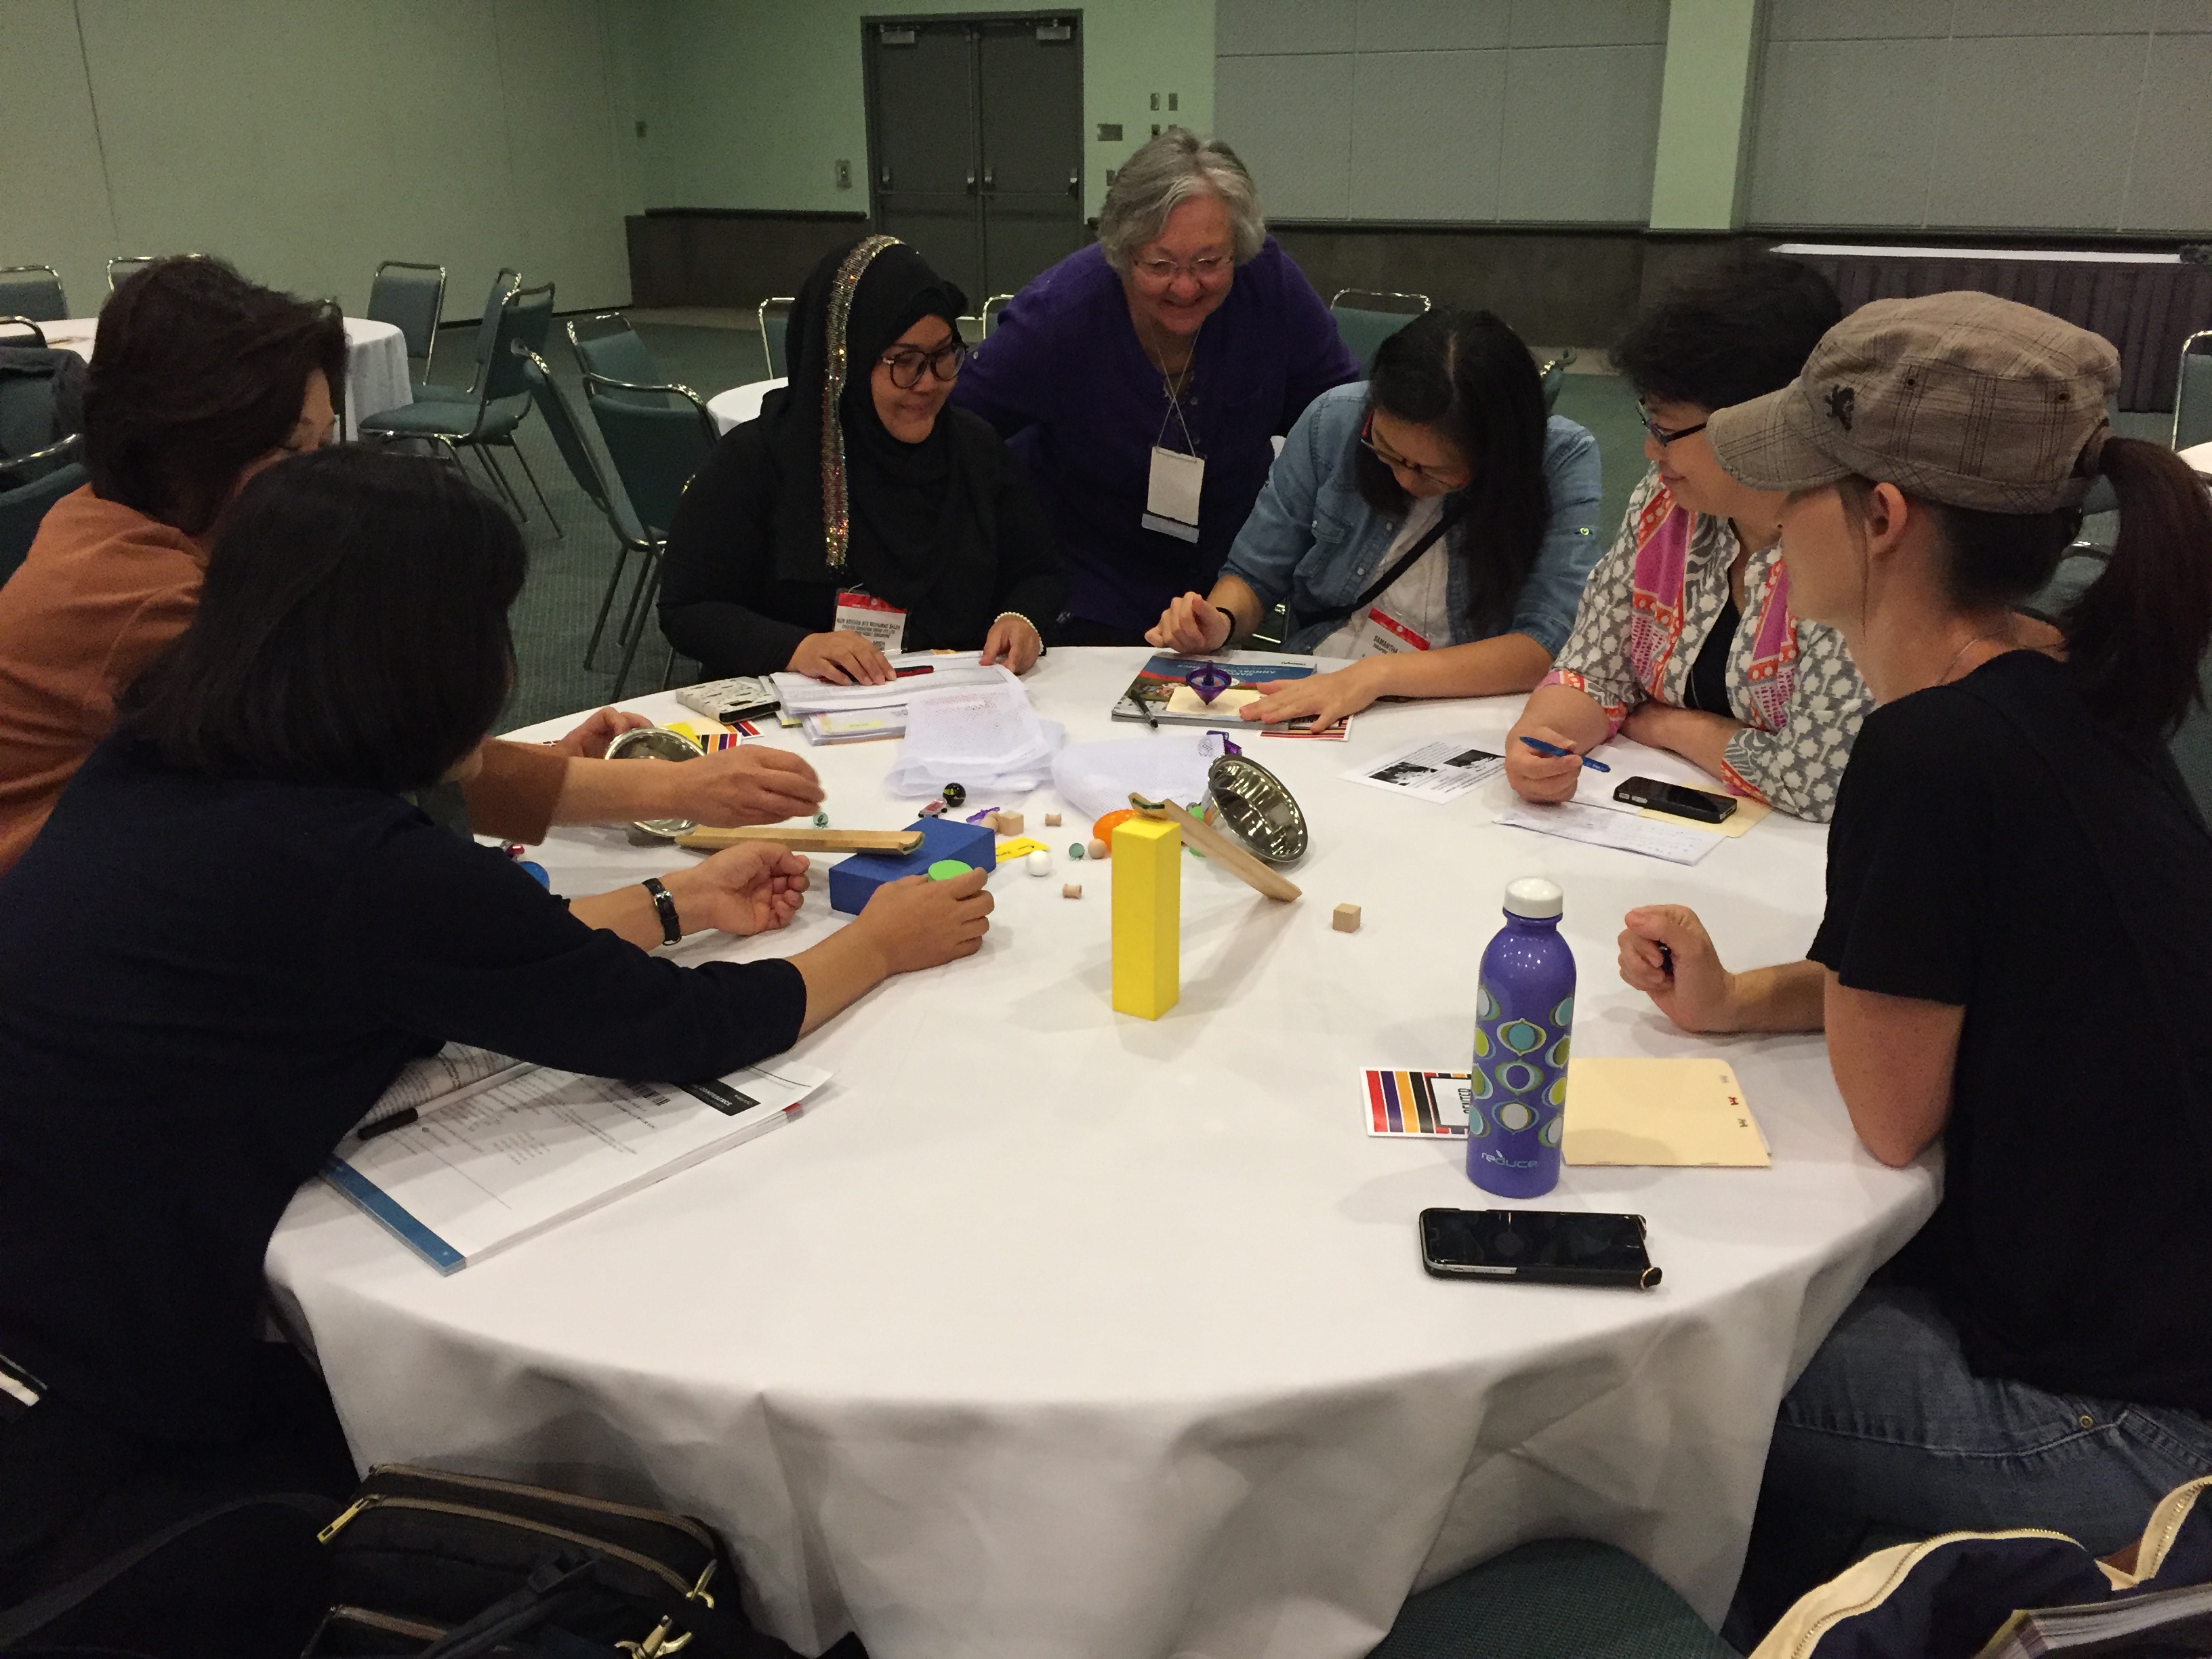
(859,491)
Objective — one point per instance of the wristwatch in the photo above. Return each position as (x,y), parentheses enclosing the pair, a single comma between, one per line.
(671,930)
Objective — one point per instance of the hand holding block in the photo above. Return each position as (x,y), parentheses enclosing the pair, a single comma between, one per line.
(1147,917)
(1344,919)
(853,883)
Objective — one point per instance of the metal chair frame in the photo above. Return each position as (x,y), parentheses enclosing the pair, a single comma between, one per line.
(991,306)
(26,322)
(62,452)
(646,587)
(128,263)
(1377,294)
(768,356)
(2188,348)
(438,312)
(60,292)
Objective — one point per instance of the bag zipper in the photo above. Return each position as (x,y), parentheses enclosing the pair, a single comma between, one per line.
(683,1524)
(1898,1573)
(380,1501)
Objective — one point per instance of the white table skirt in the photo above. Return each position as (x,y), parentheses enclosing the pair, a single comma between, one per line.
(1047,1331)
(740,403)
(376,363)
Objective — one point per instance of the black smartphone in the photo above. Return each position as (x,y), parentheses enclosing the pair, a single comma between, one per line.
(1681,800)
(1552,1246)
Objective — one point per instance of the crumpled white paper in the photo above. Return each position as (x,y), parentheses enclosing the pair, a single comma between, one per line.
(1097,778)
(987,739)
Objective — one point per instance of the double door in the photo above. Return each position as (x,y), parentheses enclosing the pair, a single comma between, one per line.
(976,143)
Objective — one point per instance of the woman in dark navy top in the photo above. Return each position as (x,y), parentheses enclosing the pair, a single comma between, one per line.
(235,931)
(2016,958)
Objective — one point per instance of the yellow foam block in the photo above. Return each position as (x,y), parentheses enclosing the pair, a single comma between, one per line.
(1147,867)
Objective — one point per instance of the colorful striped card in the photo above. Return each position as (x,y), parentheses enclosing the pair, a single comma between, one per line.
(1415,1102)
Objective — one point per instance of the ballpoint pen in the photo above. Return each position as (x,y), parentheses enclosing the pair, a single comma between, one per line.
(1554,751)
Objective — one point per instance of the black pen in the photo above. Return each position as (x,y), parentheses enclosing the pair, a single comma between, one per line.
(385,1126)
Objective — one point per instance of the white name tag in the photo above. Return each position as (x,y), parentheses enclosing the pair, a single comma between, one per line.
(879,622)
(1171,497)
(1379,634)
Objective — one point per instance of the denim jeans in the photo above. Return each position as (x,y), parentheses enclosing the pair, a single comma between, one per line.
(1888,1424)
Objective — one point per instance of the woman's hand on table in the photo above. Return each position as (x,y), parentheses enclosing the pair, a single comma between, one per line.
(840,659)
(1542,778)
(1013,641)
(753,783)
(1190,624)
(1666,953)
(752,888)
(1324,699)
(921,922)
(589,741)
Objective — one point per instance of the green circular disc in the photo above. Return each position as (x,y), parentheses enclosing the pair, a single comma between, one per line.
(947,869)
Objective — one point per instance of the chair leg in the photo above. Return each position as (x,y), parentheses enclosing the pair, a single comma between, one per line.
(559,534)
(606,603)
(492,460)
(630,623)
(668,670)
(498,479)
(629,653)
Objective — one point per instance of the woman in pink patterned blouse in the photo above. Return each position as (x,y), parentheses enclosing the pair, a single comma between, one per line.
(1684,638)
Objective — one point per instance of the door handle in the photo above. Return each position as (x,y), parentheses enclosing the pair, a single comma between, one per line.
(887,179)
(1074,181)
(971,181)
(989,183)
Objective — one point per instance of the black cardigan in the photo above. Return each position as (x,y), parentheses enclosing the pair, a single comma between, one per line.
(203,986)
(723,601)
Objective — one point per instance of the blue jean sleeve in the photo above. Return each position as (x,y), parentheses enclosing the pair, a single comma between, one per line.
(1546,609)
(1279,531)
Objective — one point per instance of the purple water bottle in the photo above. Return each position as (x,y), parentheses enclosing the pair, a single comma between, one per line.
(1524,1009)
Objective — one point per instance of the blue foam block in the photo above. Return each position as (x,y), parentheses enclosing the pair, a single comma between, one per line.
(853,883)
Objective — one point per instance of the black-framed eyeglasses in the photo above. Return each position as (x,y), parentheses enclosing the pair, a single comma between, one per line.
(1452,478)
(906,363)
(1664,436)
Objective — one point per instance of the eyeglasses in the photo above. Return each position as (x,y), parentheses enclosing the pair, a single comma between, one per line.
(1163,271)
(906,363)
(1661,435)
(1454,478)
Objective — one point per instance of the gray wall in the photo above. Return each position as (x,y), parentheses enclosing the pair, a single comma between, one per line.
(2083,115)
(1469,111)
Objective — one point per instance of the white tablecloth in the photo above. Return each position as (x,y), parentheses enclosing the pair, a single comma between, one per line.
(1047,1331)
(740,403)
(376,363)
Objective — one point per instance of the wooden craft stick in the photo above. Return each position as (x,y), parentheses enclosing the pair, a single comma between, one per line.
(804,838)
(1217,847)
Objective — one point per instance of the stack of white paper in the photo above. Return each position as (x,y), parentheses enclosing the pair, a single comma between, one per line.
(986,737)
(918,671)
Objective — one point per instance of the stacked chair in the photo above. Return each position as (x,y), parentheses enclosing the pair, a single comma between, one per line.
(32,293)
(412,299)
(774,321)
(1363,326)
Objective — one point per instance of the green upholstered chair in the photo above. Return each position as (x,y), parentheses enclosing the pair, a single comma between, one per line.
(775,323)
(124,266)
(502,395)
(606,492)
(1553,375)
(1558,1599)
(2192,392)
(23,505)
(33,291)
(607,346)
(1365,326)
(412,299)
(992,308)
(656,453)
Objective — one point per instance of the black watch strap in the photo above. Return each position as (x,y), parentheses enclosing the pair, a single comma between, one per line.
(671,930)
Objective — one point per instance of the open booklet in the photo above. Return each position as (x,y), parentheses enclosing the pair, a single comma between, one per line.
(470,1152)
(1167,692)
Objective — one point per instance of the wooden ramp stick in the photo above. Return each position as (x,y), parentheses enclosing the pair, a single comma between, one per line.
(804,839)
(1217,847)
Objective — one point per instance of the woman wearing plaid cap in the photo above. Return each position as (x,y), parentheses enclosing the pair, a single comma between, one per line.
(2016,957)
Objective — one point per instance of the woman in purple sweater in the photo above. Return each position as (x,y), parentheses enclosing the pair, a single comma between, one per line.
(1141,380)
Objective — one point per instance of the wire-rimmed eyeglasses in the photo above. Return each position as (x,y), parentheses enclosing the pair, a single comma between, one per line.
(906,363)
(1163,271)
(1455,478)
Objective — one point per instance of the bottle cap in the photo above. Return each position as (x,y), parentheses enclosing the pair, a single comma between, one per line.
(1534,897)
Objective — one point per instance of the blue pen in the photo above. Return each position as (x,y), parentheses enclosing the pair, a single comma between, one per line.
(1555,752)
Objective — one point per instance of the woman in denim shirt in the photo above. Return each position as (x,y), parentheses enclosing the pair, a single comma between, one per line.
(1445,456)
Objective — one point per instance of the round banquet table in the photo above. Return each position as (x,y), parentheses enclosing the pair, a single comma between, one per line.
(376,363)
(740,403)
(1047,1331)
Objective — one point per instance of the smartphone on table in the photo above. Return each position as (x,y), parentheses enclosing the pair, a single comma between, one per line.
(1550,1247)
(1706,805)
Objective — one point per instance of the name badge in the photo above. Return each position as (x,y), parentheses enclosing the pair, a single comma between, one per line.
(1171,497)
(1380,634)
(879,622)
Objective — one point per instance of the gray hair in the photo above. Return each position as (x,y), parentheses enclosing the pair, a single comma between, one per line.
(1165,173)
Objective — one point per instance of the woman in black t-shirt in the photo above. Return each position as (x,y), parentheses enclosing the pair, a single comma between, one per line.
(2016,957)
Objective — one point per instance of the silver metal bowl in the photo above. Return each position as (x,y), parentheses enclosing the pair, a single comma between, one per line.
(657,742)
(1251,804)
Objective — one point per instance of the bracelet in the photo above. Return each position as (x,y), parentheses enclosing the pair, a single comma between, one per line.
(1232,615)
(671,930)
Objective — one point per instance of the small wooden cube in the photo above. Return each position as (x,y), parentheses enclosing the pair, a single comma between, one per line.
(1099,849)
(1072,889)
(1344,919)
(1052,820)
(1009,824)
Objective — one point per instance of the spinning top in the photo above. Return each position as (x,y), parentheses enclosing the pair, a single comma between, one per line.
(1209,680)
